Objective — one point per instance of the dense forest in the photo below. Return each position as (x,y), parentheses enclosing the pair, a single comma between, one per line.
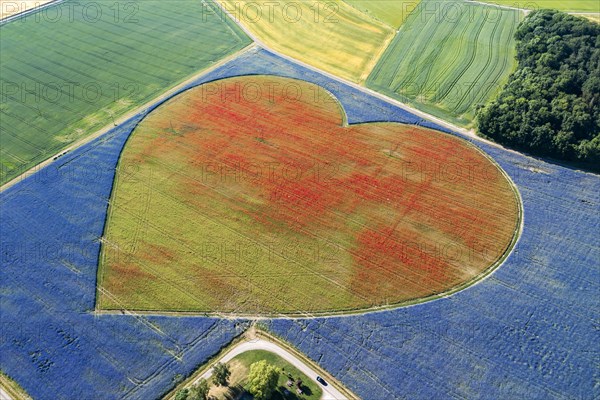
(551,104)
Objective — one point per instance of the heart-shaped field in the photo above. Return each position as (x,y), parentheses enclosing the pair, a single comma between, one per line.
(251,196)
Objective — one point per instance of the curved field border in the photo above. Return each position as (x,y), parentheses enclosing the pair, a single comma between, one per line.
(101,254)
(123,119)
(521,291)
(326,313)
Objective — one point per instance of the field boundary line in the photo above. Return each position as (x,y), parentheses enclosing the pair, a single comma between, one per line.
(124,118)
(201,369)
(348,311)
(372,64)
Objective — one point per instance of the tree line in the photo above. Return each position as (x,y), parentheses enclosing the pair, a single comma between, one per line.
(551,105)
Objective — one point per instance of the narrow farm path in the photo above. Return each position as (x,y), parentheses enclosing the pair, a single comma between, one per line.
(329,392)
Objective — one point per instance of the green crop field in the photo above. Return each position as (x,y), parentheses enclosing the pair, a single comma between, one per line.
(392,12)
(568,5)
(74,67)
(447,61)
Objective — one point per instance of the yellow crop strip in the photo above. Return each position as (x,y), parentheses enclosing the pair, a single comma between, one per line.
(329,35)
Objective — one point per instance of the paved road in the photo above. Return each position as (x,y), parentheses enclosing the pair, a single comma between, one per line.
(329,392)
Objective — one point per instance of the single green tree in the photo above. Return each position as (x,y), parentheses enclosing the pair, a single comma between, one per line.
(262,380)
(221,374)
(199,391)
(182,394)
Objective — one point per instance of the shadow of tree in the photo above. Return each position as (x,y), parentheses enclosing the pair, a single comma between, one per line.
(235,393)
(238,392)
(291,393)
